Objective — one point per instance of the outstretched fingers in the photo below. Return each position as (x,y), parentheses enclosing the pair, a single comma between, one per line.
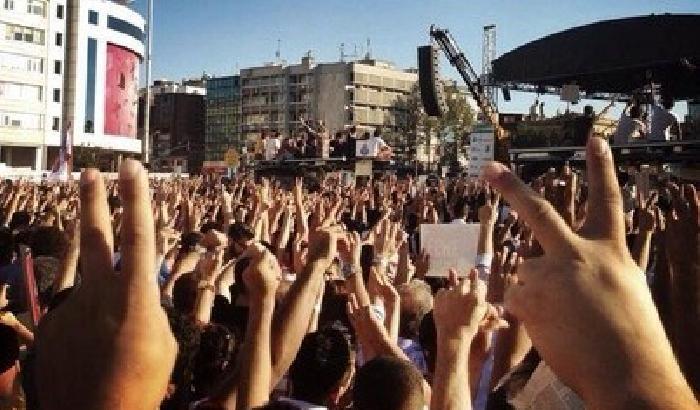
(138,235)
(97,241)
(549,228)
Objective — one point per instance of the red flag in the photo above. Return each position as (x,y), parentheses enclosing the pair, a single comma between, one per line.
(32,293)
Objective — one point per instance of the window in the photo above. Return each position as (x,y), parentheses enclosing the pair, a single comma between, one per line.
(18,62)
(57,67)
(26,34)
(93,17)
(56,124)
(21,120)
(90,86)
(59,11)
(20,92)
(36,7)
(59,39)
(124,27)
(56,95)
(9,4)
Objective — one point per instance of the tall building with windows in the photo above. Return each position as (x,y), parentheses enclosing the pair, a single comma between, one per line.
(275,97)
(366,93)
(68,62)
(31,82)
(223,116)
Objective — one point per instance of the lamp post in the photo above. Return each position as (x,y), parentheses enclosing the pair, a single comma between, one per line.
(146,139)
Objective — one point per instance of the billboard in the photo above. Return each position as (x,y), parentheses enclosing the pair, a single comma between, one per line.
(121,91)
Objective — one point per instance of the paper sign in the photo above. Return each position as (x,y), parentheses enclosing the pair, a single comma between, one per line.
(366,149)
(480,152)
(450,246)
(363,168)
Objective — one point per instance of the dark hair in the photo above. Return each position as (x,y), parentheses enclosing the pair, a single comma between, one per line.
(19,219)
(635,112)
(210,226)
(187,334)
(240,232)
(48,241)
(217,349)
(323,360)
(427,338)
(388,383)
(461,209)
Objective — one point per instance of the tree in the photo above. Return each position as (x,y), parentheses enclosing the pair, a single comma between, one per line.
(416,125)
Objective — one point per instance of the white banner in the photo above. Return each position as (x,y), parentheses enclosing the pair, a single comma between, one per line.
(450,246)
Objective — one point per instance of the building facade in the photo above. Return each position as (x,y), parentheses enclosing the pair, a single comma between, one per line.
(32,60)
(177,132)
(223,116)
(68,63)
(364,93)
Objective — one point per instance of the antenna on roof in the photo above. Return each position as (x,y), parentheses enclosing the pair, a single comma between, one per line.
(278,53)
(368,56)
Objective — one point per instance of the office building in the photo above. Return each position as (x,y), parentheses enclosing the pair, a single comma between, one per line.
(223,116)
(365,93)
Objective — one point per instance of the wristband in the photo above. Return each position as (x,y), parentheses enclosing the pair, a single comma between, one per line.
(483,259)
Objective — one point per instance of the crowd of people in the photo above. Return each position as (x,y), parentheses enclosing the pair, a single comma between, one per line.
(242,293)
(313,140)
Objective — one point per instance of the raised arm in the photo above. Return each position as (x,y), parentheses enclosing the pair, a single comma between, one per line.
(586,288)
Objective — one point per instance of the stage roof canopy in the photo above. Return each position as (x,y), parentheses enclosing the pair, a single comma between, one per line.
(613,56)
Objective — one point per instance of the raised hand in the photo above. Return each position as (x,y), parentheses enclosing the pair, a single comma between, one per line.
(109,345)
(588,311)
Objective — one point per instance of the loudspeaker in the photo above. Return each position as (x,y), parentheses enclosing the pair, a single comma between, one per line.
(506,93)
(431,92)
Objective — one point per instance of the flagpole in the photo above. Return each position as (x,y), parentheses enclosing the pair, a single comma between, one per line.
(146,138)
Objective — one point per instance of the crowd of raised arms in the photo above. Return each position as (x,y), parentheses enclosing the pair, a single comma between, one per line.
(237,294)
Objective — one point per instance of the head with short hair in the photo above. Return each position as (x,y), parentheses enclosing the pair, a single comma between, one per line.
(388,383)
(416,302)
(323,368)
(239,235)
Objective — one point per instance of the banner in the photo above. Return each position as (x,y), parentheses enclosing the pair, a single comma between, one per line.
(450,246)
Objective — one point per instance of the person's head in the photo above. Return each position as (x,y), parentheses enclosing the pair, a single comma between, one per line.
(48,241)
(635,112)
(185,294)
(352,130)
(416,302)
(217,349)
(427,337)
(388,383)
(588,111)
(322,370)
(240,235)
(20,220)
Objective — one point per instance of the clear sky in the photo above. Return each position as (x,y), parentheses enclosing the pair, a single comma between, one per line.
(220,36)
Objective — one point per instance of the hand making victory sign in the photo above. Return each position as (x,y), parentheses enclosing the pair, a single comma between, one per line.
(584,304)
(109,345)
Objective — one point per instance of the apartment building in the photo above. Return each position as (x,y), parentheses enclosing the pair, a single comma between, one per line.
(32,59)
(68,62)
(365,93)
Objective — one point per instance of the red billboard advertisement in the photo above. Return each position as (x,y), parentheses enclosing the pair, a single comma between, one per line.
(121,91)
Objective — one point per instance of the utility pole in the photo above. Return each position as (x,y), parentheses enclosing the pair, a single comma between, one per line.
(146,139)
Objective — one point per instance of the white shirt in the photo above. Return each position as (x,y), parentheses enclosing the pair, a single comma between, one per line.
(271,147)
(628,130)
(661,122)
